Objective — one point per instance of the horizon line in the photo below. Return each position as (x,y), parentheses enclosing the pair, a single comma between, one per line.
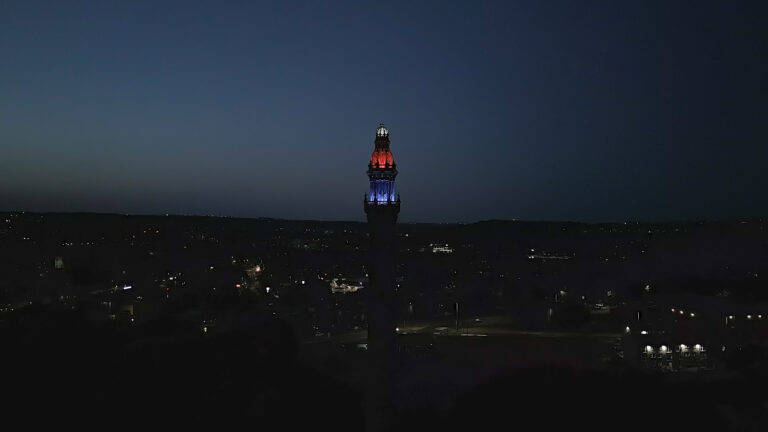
(192,215)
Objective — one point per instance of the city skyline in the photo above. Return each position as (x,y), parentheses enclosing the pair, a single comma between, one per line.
(535,111)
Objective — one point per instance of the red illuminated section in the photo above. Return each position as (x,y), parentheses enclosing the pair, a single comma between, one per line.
(382,158)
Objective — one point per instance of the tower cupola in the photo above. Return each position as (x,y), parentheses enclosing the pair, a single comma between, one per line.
(382,131)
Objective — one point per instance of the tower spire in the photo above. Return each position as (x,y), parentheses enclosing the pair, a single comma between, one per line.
(382,131)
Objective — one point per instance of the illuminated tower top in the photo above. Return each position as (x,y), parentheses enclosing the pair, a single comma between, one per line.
(382,156)
(382,131)
(382,172)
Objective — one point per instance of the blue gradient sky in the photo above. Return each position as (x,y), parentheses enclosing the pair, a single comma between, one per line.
(594,111)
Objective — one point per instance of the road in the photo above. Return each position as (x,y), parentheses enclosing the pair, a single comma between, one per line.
(480,327)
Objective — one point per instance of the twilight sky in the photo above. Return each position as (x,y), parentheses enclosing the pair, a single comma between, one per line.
(577,110)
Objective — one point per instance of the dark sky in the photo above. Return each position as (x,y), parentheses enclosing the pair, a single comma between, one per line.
(578,110)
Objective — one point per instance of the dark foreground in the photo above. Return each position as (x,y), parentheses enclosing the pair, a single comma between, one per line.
(60,370)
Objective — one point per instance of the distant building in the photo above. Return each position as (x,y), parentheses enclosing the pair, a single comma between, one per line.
(657,357)
(441,248)
(547,256)
(647,351)
(347,285)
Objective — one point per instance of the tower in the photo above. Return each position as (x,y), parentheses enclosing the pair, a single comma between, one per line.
(382,206)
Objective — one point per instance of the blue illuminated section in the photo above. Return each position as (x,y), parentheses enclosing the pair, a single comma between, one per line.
(382,192)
